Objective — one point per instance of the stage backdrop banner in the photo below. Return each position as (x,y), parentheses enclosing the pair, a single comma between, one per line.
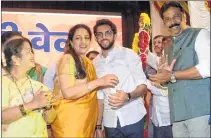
(48,30)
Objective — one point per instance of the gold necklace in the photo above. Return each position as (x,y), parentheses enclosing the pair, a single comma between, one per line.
(20,90)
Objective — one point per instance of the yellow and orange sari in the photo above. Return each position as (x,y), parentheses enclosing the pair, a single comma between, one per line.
(75,118)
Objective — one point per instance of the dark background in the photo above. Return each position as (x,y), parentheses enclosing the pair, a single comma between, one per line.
(130,11)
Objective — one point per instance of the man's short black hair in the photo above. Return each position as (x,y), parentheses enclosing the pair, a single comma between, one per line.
(105,22)
(167,5)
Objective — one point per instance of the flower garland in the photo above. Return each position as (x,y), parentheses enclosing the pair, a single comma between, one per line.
(141,39)
(143,45)
(140,45)
(207,4)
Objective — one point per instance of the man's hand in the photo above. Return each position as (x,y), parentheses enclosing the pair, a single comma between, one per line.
(156,84)
(163,64)
(162,77)
(118,99)
(164,72)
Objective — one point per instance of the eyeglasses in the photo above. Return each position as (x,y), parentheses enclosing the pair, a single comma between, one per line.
(175,17)
(106,34)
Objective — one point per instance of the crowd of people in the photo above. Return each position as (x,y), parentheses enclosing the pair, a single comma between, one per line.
(101,94)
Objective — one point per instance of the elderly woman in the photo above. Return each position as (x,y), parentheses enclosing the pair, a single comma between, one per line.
(37,72)
(23,99)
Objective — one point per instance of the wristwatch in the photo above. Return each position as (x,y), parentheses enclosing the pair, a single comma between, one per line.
(173,78)
(129,96)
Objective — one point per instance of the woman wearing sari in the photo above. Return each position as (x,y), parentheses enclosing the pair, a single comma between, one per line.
(77,111)
(23,99)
